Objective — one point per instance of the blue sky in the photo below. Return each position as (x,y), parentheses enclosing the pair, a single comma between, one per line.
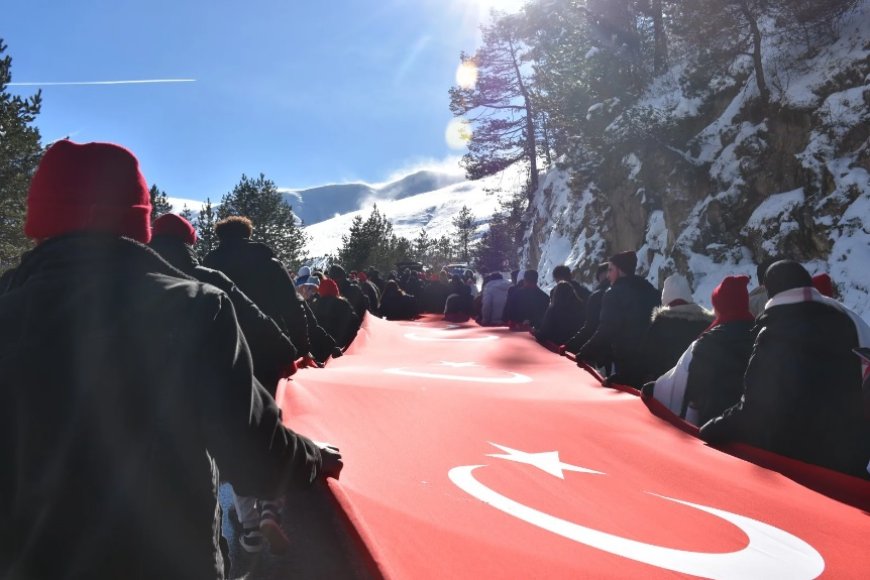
(305,92)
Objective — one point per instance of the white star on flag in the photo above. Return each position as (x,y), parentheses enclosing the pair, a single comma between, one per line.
(547,461)
(458,365)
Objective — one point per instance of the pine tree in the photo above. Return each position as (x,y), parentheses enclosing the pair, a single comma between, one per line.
(465,229)
(187,214)
(274,222)
(206,237)
(20,151)
(355,248)
(442,252)
(422,247)
(499,247)
(159,202)
(499,107)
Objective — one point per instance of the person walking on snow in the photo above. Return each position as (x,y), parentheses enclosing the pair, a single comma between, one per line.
(126,386)
(626,311)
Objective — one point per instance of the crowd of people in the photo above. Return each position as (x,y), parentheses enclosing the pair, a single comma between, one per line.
(137,378)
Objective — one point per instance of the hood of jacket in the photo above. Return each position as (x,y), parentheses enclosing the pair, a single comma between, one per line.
(691,312)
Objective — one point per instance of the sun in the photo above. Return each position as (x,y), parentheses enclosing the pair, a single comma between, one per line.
(509,6)
(479,10)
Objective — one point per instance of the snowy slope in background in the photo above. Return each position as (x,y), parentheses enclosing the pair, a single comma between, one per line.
(316,204)
(431,210)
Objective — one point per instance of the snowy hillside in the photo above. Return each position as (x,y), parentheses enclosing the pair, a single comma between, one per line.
(316,204)
(431,210)
(736,183)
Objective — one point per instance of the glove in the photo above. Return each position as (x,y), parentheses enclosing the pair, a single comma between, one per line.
(289,370)
(331,463)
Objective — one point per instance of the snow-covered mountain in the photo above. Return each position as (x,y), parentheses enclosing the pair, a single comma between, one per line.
(409,212)
(316,204)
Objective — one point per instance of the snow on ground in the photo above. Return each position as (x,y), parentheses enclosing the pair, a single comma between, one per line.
(800,90)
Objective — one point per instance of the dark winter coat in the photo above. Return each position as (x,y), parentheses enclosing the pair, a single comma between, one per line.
(272,352)
(355,296)
(527,304)
(433,298)
(719,360)
(590,325)
(460,305)
(322,344)
(626,310)
(263,279)
(580,290)
(337,317)
(125,385)
(561,323)
(398,306)
(802,390)
(672,330)
(373,295)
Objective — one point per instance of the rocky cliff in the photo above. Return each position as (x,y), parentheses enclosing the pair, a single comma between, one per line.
(708,181)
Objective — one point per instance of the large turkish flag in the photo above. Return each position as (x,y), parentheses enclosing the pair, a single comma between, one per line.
(475,453)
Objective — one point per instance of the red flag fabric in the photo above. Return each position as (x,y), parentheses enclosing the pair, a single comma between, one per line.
(475,453)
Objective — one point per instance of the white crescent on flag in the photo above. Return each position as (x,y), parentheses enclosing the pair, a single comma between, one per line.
(771,552)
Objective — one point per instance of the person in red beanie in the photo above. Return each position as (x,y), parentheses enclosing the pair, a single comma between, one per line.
(708,378)
(802,387)
(126,385)
(626,311)
(335,313)
(272,354)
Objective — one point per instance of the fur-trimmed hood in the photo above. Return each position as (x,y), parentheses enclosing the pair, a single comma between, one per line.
(692,312)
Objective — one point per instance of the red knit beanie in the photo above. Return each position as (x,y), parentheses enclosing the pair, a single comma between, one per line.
(625,261)
(731,300)
(824,284)
(328,287)
(94,187)
(174,226)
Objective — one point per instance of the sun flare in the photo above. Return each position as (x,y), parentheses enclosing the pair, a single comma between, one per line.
(466,74)
(458,133)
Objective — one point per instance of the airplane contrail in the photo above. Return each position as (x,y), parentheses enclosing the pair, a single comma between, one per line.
(84,83)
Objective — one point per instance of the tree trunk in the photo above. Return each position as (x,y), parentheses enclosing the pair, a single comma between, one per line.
(531,143)
(660,56)
(763,91)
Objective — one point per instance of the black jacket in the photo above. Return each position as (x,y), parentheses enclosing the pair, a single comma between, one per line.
(802,390)
(337,317)
(590,325)
(272,352)
(625,316)
(373,295)
(580,290)
(263,279)
(125,385)
(322,343)
(715,378)
(398,306)
(671,332)
(527,304)
(355,296)
(561,323)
